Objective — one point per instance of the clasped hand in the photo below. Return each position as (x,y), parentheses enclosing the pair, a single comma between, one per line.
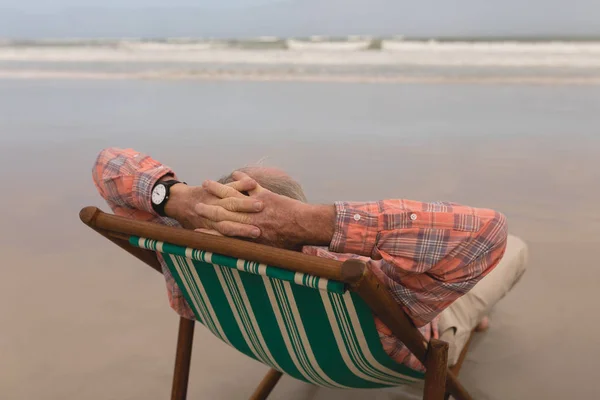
(223,209)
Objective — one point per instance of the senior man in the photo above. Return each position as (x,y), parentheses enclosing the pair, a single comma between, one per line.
(430,256)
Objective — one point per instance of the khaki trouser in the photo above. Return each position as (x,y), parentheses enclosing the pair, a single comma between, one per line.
(461,317)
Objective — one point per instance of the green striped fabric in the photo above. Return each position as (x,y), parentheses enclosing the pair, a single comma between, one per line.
(308,327)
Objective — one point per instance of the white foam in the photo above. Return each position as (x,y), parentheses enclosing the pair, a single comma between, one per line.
(394,53)
(353,45)
(165,47)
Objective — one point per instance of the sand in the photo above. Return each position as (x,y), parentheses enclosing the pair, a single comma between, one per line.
(80,318)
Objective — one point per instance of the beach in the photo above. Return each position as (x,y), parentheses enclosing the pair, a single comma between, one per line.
(80,318)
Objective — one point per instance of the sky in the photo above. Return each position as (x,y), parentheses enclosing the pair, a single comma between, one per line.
(58,4)
(244,18)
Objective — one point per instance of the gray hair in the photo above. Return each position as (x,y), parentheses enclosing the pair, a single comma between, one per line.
(283,185)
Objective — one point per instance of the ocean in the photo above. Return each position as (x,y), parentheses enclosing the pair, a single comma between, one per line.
(509,126)
(349,60)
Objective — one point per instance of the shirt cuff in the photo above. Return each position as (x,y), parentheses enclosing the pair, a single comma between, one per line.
(356,228)
(144,182)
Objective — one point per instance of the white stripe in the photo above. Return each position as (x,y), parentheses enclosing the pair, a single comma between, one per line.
(349,334)
(362,341)
(183,269)
(298,278)
(255,326)
(175,261)
(340,342)
(374,367)
(294,333)
(287,330)
(305,343)
(283,330)
(262,269)
(239,264)
(210,312)
(323,284)
(352,335)
(234,309)
(246,323)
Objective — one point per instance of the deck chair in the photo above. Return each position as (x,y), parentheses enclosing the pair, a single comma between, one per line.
(308,317)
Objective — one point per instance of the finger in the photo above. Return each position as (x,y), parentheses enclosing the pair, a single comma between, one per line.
(229,228)
(217,214)
(242,205)
(244,185)
(208,231)
(220,190)
(241,176)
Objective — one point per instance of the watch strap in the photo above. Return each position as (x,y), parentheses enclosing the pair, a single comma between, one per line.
(160,208)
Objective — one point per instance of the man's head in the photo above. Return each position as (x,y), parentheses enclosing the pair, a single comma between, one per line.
(272,179)
(283,217)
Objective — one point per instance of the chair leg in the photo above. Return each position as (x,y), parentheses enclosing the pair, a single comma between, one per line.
(266,385)
(436,369)
(455,388)
(183,358)
(455,369)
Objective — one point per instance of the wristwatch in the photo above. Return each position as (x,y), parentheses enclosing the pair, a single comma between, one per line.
(160,195)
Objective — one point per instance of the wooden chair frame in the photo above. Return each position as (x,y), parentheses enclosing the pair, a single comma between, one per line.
(440,380)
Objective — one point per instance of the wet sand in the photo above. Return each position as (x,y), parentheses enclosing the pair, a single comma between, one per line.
(531,78)
(79,318)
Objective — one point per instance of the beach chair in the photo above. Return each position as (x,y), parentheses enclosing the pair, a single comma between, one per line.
(305,316)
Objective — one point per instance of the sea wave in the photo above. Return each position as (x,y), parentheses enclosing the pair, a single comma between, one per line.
(333,46)
(494,47)
(164,47)
(275,51)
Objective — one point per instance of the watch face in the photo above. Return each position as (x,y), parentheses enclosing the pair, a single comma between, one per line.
(158,194)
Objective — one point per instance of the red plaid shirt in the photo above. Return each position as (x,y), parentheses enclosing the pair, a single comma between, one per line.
(427,254)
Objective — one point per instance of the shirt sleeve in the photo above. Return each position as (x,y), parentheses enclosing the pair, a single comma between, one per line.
(428,254)
(125,179)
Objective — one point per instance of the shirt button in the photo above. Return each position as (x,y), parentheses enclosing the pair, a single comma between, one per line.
(413,217)
(356,217)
